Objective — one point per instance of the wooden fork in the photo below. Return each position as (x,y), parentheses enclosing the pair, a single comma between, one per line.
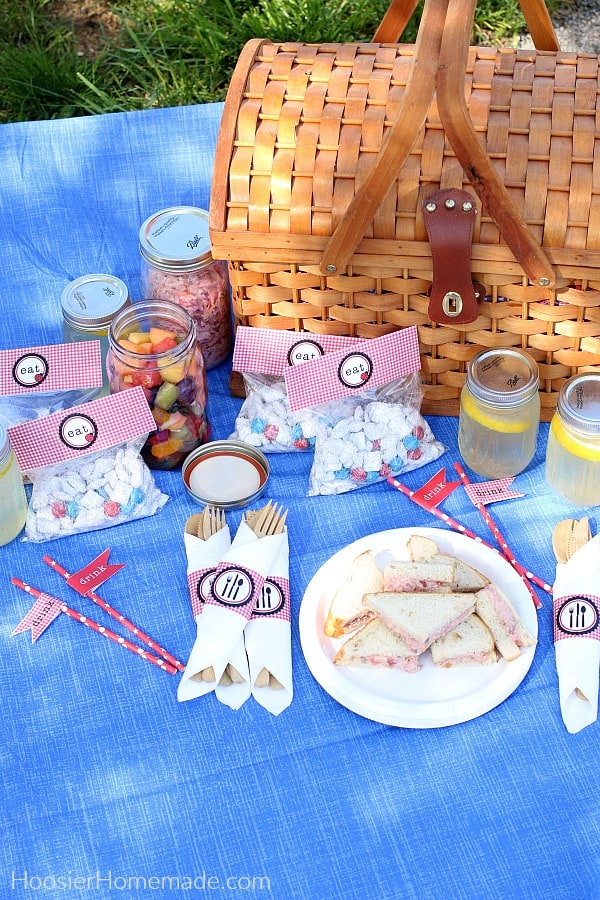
(569,536)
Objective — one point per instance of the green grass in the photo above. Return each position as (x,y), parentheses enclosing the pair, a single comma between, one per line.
(174,52)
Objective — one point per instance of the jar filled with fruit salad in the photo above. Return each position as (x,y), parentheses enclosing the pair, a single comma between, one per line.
(153,343)
(573,449)
(499,413)
(177,265)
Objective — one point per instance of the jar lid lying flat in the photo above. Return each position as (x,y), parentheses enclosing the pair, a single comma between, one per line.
(503,377)
(228,474)
(579,403)
(176,239)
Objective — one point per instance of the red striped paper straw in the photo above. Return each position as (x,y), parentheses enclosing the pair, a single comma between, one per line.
(525,575)
(119,618)
(95,626)
(462,529)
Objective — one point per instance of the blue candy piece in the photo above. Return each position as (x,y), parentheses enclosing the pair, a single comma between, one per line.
(258,426)
(128,508)
(340,474)
(410,442)
(297,432)
(136,496)
(72,509)
(371,477)
(311,442)
(396,464)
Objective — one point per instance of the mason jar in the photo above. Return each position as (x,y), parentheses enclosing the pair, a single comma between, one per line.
(13,501)
(89,304)
(177,265)
(573,449)
(153,343)
(499,413)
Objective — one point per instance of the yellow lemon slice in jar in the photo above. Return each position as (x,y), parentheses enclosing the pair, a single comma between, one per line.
(473,411)
(576,446)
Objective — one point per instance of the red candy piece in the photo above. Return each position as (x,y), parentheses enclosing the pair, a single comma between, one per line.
(358,474)
(112,508)
(59,509)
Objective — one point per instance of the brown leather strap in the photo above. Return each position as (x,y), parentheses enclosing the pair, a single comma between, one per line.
(397,144)
(470,151)
(449,218)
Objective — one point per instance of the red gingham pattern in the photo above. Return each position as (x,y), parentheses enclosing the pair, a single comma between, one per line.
(265,350)
(193,580)
(572,600)
(43,612)
(491,491)
(392,356)
(70,367)
(118,418)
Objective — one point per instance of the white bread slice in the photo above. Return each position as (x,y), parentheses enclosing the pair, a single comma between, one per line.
(420,618)
(510,634)
(376,646)
(346,612)
(469,644)
(419,576)
(421,548)
(466,578)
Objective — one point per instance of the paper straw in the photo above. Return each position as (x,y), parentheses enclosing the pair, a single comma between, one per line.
(525,575)
(95,626)
(119,618)
(462,529)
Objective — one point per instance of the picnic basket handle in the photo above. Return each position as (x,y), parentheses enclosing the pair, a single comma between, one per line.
(471,153)
(402,135)
(399,141)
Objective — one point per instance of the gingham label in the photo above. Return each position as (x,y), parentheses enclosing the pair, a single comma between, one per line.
(576,615)
(367,364)
(81,430)
(57,367)
(491,491)
(200,584)
(273,602)
(235,587)
(270,352)
(43,612)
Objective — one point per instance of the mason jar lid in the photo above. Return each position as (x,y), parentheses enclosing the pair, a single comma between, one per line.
(579,403)
(228,474)
(503,377)
(90,302)
(176,239)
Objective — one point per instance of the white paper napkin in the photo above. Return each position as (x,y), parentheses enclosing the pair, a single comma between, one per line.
(203,556)
(576,609)
(268,637)
(234,590)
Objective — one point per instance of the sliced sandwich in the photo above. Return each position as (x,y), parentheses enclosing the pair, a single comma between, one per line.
(436,575)
(425,550)
(469,644)
(374,645)
(420,618)
(509,632)
(346,612)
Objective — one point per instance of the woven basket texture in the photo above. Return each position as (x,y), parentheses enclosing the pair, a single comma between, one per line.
(302,124)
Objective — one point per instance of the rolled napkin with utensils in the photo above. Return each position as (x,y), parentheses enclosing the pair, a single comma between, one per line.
(576,613)
(268,637)
(207,538)
(230,595)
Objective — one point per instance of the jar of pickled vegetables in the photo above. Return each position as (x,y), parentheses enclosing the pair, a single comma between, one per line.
(499,413)
(573,449)
(13,501)
(177,265)
(153,343)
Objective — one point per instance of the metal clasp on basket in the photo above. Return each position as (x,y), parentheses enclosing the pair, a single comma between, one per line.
(449,219)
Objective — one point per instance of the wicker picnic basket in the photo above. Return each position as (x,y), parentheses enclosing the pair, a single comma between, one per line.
(362,188)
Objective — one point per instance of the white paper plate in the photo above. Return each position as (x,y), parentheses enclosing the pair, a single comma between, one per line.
(432,697)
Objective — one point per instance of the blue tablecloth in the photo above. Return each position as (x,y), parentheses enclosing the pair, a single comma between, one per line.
(110,787)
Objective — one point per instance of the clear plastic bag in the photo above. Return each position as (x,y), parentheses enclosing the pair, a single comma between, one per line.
(103,489)
(371,436)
